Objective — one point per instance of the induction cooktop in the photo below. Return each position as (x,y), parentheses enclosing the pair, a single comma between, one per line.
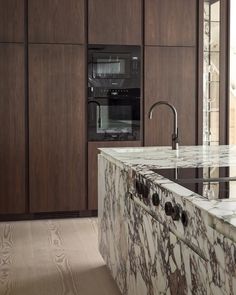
(210,182)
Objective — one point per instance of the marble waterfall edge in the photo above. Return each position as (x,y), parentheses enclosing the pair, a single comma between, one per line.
(150,255)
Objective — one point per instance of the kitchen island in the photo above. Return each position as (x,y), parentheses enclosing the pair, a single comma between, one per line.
(158,236)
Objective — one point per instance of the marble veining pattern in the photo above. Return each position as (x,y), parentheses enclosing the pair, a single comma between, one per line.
(142,160)
(150,254)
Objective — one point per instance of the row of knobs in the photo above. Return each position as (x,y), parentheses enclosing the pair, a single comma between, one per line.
(175,212)
(171,210)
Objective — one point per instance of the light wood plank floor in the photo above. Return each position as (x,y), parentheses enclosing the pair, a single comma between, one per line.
(52,257)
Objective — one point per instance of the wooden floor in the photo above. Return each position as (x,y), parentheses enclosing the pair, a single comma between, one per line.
(52,257)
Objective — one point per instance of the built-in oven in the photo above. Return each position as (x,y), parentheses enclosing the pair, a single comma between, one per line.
(113,93)
(112,119)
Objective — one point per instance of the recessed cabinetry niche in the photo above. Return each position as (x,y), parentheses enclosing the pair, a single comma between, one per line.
(170,70)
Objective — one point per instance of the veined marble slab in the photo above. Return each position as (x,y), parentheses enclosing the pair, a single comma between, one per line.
(165,157)
(221,213)
(150,254)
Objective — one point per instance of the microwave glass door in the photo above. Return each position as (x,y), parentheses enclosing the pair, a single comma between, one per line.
(106,66)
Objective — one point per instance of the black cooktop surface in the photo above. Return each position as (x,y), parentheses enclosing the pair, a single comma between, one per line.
(210,182)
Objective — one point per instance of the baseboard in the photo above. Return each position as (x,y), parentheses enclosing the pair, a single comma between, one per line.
(48,215)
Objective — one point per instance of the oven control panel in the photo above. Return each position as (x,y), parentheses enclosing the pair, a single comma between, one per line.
(94,92)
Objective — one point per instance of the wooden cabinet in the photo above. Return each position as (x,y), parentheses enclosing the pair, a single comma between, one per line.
(57,128)
(12,20)
(93,167)
(115,22)
(12,131)
(170,74)
(171,22)
(56,21)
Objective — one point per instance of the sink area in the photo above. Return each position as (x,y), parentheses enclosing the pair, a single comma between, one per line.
(134,149)
(210,182)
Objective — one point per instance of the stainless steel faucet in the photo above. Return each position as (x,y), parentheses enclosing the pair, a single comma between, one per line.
(175,131)
(99,111)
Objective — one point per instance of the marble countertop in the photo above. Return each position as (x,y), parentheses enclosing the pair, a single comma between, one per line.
(144,159)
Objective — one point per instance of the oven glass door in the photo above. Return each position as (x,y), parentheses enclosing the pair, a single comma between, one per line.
(114,120)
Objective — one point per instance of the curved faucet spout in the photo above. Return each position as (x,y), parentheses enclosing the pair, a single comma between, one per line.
(175,136)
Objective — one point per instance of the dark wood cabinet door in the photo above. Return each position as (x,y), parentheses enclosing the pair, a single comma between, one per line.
(93,167)
(115,22)
(170,75)
(170,22)
(57,128)
(56,21)
(12,20)
(12,131)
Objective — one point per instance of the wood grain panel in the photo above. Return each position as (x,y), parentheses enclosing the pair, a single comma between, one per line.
(12,131)
(170,74)
(57,128)
(54,257)
(6,247)
(170,22)
(93,167)
(56,21)
(61,261)
(12,20)
(115,22)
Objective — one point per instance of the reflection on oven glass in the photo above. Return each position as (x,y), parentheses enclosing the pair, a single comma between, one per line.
(115,127)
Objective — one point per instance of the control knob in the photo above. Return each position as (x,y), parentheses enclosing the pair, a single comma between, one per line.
(145,191)
(156,199)
(138,187)
(175,212)
(184,218)
(168,208)
(142,189)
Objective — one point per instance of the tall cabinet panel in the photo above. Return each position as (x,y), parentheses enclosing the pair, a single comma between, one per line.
(57,128)
(56,21)
(170,22)
(170,70)
(170,74)
(115,22)
(12,131)
(12,20)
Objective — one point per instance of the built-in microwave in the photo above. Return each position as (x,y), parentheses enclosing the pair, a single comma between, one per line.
(110,65)
(113,65)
